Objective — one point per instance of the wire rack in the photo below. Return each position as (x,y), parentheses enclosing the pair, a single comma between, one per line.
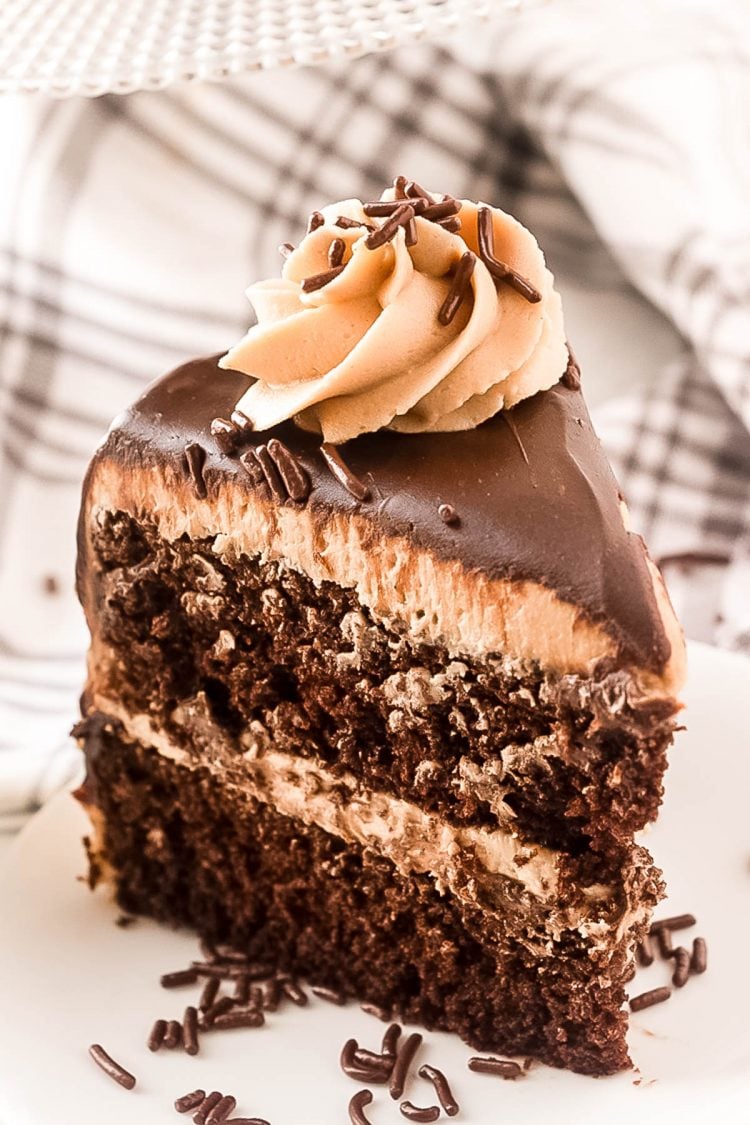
(65,47)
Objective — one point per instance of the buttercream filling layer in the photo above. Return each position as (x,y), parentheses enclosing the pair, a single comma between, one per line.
(476,865)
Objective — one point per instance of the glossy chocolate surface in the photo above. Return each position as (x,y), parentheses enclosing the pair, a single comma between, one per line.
(533,494)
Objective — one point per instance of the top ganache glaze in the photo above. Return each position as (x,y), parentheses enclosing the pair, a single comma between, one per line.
(531,494)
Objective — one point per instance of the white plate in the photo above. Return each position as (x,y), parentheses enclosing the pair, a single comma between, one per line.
(71,977)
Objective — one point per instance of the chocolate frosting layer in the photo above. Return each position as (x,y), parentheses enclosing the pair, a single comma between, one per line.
(533,493)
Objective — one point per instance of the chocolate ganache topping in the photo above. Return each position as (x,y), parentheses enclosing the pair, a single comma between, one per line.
(417,313)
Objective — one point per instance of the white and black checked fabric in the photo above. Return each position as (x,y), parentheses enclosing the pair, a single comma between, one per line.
(129,228)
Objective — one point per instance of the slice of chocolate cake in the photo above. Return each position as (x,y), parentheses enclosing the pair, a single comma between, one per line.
(387,712)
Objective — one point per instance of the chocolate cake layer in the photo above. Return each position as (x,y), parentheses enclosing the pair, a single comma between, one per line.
(223,657)
(533,492)
(188,847)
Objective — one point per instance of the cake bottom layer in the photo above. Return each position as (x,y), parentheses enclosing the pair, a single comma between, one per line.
(187,849)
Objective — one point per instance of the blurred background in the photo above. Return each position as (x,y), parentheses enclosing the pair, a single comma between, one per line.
(132,222)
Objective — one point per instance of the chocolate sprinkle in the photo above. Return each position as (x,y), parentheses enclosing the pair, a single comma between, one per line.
(173,1037)
(177,979)
(221,1110)
(364,1066)
(391,1037)
(383,208)
(111,1068)
(357,1107)
(503,1068)
(293,992)
(645,952)
(272,995)
(190,1101)
(699,960)
(241,990)
(336,252)
(343,474)
(572,374)
(345,223)
(403,214)
(436,212)
(416,191)
(295,479)
(442,1089)
(223,1005)
(329,994)
(316,220)
(682,967)
(226,434)
(448,514)
(399,187)
(676,922)
(190,1030)
(245,1017)
(459,289)
(664,941)
(285,249)
(499,270)
(209,993)
(195,456)
(648,999)
(241,420)
(156,1037)
(271,472)
(209,1103)
(404,1059)
(318,280)
(419,1113)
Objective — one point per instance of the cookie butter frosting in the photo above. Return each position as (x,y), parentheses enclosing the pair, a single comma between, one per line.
(416,326)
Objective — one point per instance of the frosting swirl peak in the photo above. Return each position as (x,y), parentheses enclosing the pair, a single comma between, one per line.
(401,322)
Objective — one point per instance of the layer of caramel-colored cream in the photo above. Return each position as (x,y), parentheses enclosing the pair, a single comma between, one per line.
(437,600)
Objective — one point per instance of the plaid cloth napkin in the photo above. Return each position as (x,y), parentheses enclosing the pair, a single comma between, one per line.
(129,228)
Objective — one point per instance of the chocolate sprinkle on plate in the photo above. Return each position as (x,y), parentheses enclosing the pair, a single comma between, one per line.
(209,993)
(403,1062)
(391,1037)
(442,1088)
(221,1110)
(318,280)
(178,978)
(699,960)
(343,474)
(645,952)
(676,922)
(293,992)
(156,1037)
(502,1068)
(190,1030)
(195,456)
(241,993)
(664,941)
(648,999)
(223,1005)
(246,1017)
(419,1113)
(209,1103)
(111,1068)
(459,289)
(190,1101)
(357,1107)
(173,1037)
(499,270)
(366,1070)
(681,967)
(329,994)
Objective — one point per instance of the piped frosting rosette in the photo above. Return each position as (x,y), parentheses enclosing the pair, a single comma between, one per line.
(434,329)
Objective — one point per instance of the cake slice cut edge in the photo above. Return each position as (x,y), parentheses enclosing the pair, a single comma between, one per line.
(448,735)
